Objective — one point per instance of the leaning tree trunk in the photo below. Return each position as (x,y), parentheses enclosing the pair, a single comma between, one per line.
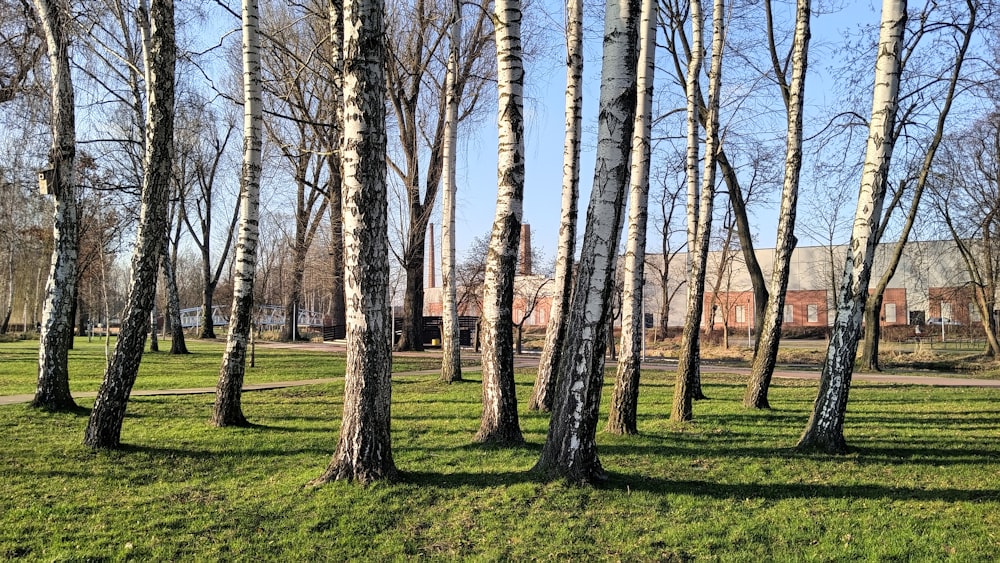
(625,400)
(56,336)
(766,354)
(364,452)
(228,410)
(870,351)
(555,333)
(499,423)
(825,429)
(451,349)
(688,368)
(570,451)
(104,428)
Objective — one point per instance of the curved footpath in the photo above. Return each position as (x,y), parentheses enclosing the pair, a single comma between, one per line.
(529,361)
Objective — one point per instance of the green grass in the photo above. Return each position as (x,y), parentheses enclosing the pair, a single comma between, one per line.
(920,484)
(160,370)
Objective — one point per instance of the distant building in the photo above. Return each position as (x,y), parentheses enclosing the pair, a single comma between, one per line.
(930,283)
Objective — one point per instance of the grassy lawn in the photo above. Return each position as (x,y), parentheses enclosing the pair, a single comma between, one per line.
(921,483)
(160,370)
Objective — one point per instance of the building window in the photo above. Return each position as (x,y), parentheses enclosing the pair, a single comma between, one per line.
(974,316)
(741,315)
(890,312)
(812,313)
(789,318)
(946,311)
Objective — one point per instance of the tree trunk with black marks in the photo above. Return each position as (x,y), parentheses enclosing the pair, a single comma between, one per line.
(499,422)
(56,335)
(625,399)
(769,331)
(104,427)
(688,383)
(570,451)
(364,452)
(228,409)
(555,333)
(451,356)
(825,429)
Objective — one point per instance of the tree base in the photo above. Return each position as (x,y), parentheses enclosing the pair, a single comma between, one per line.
(503,437)
(815,442)
(356,474)
(585,475)
(231,419)
(56,404)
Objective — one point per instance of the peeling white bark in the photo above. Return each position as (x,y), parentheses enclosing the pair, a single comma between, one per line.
(499,421)
(364,451)
(451,356)
(56,335)
(767,353)
(555,333)
(570,451)
(622,416)
(825,429)
(228,409)
(104,427)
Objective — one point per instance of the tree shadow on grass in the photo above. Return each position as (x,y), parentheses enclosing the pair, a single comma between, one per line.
(783,491)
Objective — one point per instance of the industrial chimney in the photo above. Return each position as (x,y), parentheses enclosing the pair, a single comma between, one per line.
(525,250)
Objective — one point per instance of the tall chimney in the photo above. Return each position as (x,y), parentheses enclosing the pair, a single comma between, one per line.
(431,282)
(525,250)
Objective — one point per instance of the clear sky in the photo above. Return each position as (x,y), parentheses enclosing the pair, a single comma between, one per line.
(544,137)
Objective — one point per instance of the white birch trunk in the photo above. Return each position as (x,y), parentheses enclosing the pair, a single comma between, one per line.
(825,429)
(364,452)
(766,354)
(499,423)
(692,94)
(228,409)
(689,358)
(104,427)
(624,401)
(56,336)
(570,451)
(541,394)
(451,353)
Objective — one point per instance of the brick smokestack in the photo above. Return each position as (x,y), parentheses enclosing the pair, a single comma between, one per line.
(525,250)
(431,260)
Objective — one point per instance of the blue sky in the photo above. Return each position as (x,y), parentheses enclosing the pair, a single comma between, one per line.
(544,137)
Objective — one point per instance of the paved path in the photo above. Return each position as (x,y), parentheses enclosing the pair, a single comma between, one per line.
(529,361)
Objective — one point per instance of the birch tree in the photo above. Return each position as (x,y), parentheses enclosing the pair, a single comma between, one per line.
(160,54)
(56,335)
(499,423)
(793,94)
(625,400)
(364,452)
(699,215)
(570,451)
(228,410)
(873,306)
(555,332)
(451,357)
(825,429)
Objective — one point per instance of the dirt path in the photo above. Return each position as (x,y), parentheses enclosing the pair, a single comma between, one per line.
(529,361)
